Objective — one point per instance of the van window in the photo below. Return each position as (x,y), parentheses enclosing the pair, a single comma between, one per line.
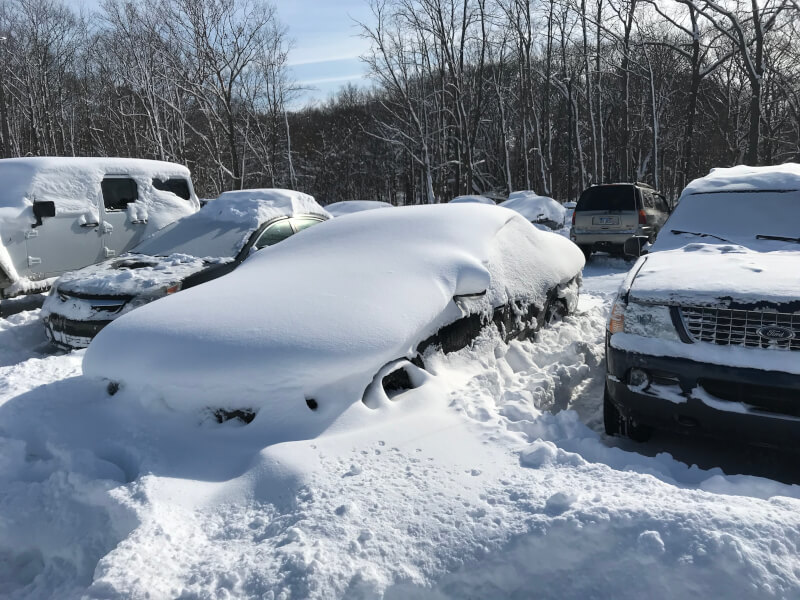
(607,198)
(661,203)
(648,199)
(176,185)
(118,192)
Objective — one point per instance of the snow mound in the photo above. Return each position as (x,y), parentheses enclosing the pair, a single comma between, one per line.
(535,208)
(472,199)
(348,207)
(743,177)
(255,206)
(354,295)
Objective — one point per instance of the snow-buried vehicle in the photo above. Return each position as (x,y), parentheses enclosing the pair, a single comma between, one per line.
(63,213)
(196,249)
(704,336)
(351,304)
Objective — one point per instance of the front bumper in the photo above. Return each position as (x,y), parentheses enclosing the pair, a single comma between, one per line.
(686,396)
(69,333)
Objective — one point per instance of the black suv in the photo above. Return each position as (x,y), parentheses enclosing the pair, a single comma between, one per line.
(704,336)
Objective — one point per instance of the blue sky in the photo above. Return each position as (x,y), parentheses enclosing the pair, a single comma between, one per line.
(326,44)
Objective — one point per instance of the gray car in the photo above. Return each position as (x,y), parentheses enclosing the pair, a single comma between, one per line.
(607,215)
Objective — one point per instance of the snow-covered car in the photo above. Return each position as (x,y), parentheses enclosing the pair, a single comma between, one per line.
(539,210)
(348,207)
(60,214)
(196,249)
(704,336)
(472,200)
(346,312)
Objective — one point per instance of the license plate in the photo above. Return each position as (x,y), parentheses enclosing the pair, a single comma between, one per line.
(606,220)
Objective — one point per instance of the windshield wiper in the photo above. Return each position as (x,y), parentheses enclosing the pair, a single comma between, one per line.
(780,238)
(677,231)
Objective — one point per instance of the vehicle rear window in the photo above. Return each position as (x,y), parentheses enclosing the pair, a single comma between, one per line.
(611,197)
(176,185)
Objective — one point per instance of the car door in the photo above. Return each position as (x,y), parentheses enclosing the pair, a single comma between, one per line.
(121,228)
(61,243)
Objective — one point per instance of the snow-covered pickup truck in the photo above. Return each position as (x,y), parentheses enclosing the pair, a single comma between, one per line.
(60,214)
(704,336)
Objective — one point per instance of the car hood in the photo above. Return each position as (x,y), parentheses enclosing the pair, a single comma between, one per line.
(132,274)
(720,275)
(319,314)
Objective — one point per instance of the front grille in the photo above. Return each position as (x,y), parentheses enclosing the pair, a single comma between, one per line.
(784,401)
(84,329)
(729,327)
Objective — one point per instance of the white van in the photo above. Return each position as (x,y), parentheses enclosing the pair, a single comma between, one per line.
(62,214)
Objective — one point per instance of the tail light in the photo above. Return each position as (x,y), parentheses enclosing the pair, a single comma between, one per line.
(642,217)
(573,218)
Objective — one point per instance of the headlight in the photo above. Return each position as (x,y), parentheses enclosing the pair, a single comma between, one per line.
(649,320)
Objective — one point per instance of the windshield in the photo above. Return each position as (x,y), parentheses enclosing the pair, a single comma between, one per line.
(761,220)
(607,198)
(200,237)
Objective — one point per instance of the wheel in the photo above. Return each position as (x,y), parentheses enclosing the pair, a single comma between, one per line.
(556,311)
(615,424)
(587,251)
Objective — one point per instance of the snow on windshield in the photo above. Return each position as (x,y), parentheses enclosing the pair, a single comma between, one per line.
(736,204)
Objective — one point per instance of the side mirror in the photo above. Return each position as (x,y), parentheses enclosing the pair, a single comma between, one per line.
(43,210)
(634,247)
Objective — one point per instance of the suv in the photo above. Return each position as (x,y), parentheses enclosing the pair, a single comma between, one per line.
(608,215)
(704,336)
(59,214)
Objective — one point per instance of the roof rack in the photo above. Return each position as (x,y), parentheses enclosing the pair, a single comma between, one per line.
(643,184)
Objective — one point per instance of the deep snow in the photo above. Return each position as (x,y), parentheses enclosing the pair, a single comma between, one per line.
(474,486)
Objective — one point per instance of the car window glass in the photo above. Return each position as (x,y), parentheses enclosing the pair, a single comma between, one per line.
(647,198)
(278,231)
(301,223)
(118,192)
(661,204)
(177,185)
(607,197)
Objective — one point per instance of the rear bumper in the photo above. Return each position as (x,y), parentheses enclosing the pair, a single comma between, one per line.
(584,237)
(71,334)
(678,399)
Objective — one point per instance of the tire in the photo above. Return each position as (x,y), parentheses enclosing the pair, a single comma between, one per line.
(587,251)
(556,311)
(615,424)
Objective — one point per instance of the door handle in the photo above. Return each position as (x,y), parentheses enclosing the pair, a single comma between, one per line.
(90,224)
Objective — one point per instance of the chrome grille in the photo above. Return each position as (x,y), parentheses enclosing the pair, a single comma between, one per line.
(728,327)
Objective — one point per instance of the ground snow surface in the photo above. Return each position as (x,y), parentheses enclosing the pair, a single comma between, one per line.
(477,485)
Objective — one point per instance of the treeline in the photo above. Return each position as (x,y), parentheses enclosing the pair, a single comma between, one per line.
(469,96)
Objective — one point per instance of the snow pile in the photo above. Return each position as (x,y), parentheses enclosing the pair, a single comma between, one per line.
(468,487)
(472,199)
(348,207)
(256,206)
(354,295)
(536,208)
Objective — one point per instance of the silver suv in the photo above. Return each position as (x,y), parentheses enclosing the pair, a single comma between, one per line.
(608,215)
